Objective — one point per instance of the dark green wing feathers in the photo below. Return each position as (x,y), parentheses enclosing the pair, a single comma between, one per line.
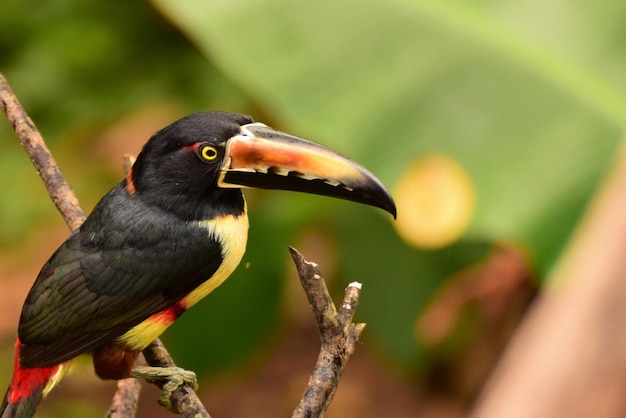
(124,264)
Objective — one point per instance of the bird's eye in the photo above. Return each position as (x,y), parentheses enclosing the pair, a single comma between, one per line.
(207,152)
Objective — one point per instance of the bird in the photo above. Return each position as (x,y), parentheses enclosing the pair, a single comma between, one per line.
(159,241)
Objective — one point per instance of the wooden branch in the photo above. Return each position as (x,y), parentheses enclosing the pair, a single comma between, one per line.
(66,202)
(338,337)
(567,359)
(184,398)
(124,403)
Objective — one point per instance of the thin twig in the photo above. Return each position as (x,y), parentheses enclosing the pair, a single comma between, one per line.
(66,202)
(184,398)
(124,403)
(337,332)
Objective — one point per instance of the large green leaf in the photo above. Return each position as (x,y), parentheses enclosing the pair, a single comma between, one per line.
(533,123)
(527,97)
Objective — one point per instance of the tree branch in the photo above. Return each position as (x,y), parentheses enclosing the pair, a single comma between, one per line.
(338,337)
(66,202)
(184,397)
(125,399)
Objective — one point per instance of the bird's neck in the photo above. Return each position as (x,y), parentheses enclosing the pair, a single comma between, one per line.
(198,207)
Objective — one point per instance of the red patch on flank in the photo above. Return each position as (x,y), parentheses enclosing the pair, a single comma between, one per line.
(130,184)
(169,315)
(26,382)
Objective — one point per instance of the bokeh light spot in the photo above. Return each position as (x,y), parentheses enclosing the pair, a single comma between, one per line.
(435,199)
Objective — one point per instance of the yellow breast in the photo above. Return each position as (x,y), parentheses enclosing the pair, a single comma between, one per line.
(232,233)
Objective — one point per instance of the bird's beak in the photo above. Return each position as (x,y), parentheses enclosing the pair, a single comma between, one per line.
(264,158)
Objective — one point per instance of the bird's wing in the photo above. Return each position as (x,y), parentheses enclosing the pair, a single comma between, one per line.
(108,277)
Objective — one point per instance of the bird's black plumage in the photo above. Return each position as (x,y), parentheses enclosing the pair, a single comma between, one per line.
(139,252)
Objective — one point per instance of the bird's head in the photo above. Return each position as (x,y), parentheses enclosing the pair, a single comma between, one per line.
(206,157)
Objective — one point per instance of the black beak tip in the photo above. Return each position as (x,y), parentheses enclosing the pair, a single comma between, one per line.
(379,197)
(392,210)
(389,206)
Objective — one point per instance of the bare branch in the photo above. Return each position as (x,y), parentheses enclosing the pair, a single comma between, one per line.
(124,403)
(338,337)
(129,160)
(184,398)
(66,202)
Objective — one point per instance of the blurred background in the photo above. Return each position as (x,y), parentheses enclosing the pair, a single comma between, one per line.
(492,124)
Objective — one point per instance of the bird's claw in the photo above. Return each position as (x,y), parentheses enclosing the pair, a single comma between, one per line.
(172,378)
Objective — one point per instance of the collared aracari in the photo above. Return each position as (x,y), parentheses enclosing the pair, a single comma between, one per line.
(163,238)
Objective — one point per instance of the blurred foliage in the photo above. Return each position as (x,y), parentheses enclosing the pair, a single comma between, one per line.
(532,122)
(527,100)
(77,67)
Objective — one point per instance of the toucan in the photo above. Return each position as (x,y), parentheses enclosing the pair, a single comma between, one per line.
(163,238)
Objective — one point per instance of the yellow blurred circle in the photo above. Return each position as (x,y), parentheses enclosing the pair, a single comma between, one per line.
(435,200)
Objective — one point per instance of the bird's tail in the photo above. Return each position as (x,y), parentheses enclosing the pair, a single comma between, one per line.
(24,408)
(27,388)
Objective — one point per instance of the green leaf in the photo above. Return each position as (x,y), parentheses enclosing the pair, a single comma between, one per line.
(386,82)
(527,97)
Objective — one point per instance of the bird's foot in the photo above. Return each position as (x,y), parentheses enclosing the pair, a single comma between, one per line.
(172,378)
